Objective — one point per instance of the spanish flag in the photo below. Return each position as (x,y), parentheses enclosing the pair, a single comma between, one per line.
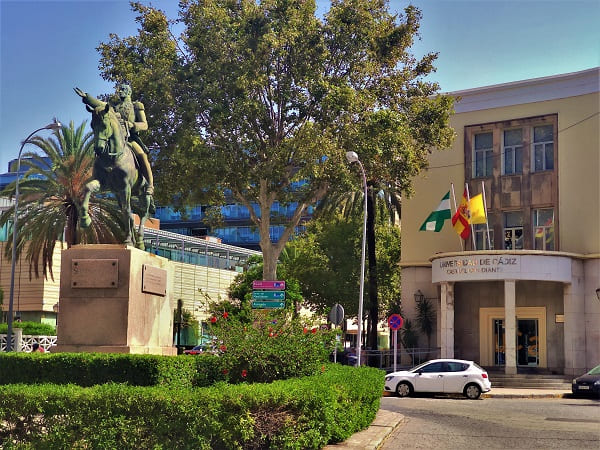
(460,220)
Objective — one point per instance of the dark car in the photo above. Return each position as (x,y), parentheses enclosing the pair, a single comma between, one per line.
(197,350)
(588,384)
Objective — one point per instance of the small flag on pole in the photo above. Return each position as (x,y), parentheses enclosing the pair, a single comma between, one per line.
(460,220)
(477,209)
(436,219)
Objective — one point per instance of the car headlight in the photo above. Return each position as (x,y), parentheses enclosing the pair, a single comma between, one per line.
(388,378)
(574,380)
(597,383)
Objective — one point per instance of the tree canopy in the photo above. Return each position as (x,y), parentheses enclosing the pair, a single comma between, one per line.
(260,101)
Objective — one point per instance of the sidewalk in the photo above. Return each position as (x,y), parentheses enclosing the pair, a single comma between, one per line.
(386,421)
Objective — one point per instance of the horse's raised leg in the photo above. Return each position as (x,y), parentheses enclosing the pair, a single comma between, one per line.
(84,217)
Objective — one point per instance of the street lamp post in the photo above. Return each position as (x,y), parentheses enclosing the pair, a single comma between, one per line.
(55,125)
(352,157)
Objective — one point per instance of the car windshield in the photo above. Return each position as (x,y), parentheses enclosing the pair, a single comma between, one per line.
(595,371)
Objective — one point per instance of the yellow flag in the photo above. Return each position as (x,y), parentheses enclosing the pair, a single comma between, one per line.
(477,210)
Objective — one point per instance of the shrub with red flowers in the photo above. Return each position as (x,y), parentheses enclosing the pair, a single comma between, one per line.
(272,347)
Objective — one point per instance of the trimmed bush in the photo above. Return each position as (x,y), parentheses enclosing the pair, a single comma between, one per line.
(31,328)
(305,413)
(88,369)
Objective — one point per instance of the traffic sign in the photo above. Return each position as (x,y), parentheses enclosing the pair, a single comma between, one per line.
(395,321)
(267,305)
(267,284)
(336,315)
(268,295)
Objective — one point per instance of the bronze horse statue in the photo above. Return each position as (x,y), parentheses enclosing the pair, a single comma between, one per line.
(116,170)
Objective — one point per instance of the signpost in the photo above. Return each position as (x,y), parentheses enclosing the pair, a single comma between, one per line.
(268,294)
(336,317)
(267,304)
(267,284)
(395,322)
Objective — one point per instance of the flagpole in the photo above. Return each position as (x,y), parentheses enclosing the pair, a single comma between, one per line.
(470,223)
(487,226)
(456,209)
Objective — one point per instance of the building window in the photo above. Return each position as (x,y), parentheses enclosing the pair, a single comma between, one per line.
(543,148)
(483,154)
(543,229)
(512,155)
(513,230)
(481,237)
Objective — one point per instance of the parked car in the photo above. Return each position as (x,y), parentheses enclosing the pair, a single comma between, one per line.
(588,383)
(197,350)
(455,376)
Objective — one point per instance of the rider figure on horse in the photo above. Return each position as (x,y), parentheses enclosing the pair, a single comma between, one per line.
(133,120)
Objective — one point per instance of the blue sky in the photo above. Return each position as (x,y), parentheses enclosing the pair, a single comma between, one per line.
(48,47)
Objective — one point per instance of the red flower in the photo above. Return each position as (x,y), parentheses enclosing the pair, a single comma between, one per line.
(225,315)
(225,371)
(305,330)
(213,319)
(313,331)
(271,334)
(244,373)
(223,348)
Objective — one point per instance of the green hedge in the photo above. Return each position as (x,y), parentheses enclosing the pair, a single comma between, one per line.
(31,328)
(88,369)
(301,413)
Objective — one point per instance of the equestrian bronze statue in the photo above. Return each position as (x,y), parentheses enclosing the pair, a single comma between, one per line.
(121,165)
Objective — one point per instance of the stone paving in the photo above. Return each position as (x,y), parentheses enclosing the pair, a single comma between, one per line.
(386,421)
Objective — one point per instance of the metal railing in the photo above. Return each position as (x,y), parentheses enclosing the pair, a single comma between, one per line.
(24,342)
(405,359)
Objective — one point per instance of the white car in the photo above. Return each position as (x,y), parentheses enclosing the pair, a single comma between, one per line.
(455,376)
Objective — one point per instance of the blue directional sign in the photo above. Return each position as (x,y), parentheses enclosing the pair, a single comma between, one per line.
(267,304)
(268,295)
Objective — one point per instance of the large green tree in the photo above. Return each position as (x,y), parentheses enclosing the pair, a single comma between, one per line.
(260,100)
(48,196)
(329,272)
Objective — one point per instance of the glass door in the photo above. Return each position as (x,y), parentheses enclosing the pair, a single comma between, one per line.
(527,342)
(498,326)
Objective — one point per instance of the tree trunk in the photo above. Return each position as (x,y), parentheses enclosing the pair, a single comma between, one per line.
(373,297)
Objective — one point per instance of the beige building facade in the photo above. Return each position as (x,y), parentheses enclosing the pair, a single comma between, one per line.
(523,292)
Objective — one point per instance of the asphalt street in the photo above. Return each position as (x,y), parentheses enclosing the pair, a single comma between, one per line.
(515,423)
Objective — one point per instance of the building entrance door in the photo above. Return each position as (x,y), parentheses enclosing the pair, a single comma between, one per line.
(527,342)
(529,334)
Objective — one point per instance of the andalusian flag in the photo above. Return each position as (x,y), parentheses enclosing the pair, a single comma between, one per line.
(436,219)
(477,209)
(460,220)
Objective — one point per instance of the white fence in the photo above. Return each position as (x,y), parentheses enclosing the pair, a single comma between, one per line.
(23,342)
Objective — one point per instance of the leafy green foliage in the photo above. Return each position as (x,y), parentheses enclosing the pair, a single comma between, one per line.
(272,347)
(88,369)
(307,413)
(263,99)
(31,328)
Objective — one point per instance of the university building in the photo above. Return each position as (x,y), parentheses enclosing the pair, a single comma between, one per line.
(522,291)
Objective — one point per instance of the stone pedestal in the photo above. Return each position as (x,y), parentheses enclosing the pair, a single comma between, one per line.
(115,299)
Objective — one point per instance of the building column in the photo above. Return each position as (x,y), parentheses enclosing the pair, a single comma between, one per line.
(510,325)
(574,329)
(447,320)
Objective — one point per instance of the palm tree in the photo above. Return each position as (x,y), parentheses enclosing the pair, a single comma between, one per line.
(49,193)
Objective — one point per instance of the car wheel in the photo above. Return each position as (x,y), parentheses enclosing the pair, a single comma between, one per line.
(472,391)
(404,389)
